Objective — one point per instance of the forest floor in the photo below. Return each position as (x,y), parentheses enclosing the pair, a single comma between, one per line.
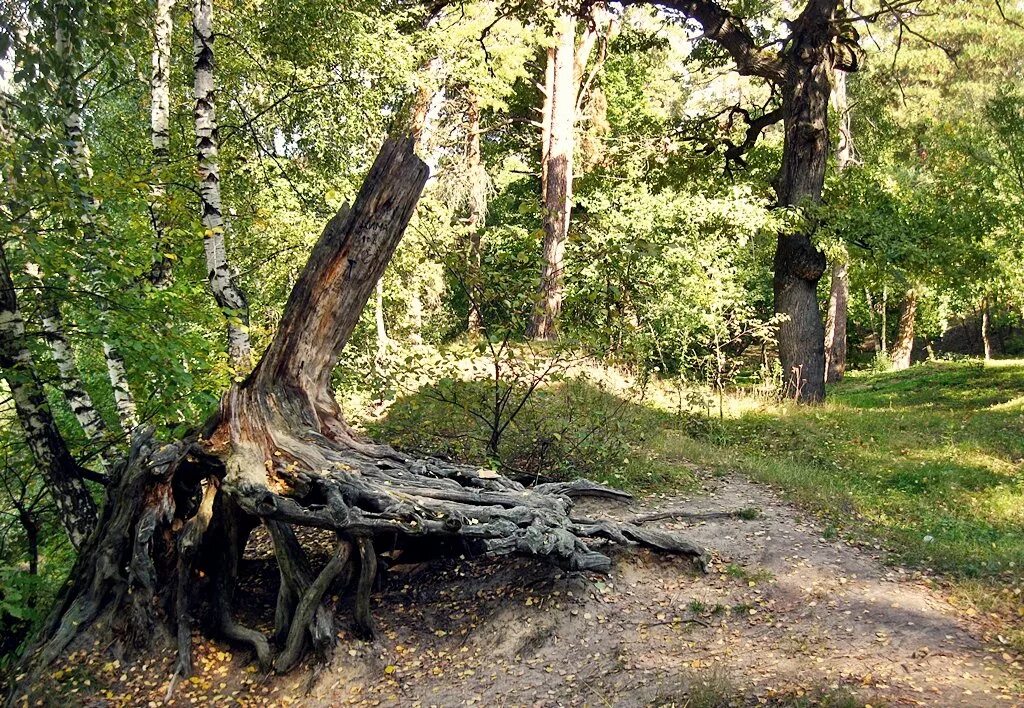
(872,554)
(785,616)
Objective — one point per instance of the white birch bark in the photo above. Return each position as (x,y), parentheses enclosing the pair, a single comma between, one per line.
(71,384)
(75,506)
(226,292)
(159,128)
(81,163)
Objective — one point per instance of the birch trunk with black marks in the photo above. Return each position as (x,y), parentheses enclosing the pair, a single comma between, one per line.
(229,296)
(76,509)
(71,385)
(839,290)
(383,341)
(557,181)
(279,452)
(903,345)
(159,132)
(89,217)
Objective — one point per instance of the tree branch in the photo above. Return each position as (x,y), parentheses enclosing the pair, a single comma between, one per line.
(731,34)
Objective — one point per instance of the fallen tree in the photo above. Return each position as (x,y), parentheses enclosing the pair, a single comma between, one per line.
(165,552)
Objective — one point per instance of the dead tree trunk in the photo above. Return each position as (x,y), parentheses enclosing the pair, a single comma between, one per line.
(279,452)
(226,292)
(839,291)
(557,179)
(75,506)
(903,347)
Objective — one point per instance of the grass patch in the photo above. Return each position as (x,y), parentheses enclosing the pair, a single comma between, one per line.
(928,461)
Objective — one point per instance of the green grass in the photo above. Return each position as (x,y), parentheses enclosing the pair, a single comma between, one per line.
(927,461)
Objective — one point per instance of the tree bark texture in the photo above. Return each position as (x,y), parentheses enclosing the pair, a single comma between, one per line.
(226,291)
(476,214)
(798,263)
(986,335)
(75,506)
(839,290)
(903,346)
(835,323)
(89,215)
(70,381)
(279,452)
(558,172)
(159,132)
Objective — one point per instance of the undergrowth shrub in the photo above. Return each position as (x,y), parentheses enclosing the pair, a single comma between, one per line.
(568,428)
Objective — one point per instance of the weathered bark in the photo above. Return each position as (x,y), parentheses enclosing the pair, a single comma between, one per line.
(903,346)
(476,208)
(280,452)
(798,263)
(89,213)
(839,291)
(63,476)
(159,122)
(226,291)
(558,172)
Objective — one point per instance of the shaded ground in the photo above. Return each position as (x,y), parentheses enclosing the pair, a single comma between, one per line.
(784,617)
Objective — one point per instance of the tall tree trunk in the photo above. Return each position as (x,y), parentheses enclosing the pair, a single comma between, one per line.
(477,209)
(76,509)
(903,346)
(839,291)
(159,132)
(986,336)
(798,264)
(548,92)
(557,203)
(226,292)
(383,341)
(89,217)
(883,316)
(835,323)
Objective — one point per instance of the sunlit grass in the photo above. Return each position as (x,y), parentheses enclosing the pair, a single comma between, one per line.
(930,462)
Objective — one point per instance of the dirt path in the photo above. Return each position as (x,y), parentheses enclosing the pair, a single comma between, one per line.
(783,614)
(783,617)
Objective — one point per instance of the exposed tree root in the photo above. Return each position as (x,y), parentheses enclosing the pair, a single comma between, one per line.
(165,555)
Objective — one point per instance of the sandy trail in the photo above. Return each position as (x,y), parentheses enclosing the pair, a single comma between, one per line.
(784,614)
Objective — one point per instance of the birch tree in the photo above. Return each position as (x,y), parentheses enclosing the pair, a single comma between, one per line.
(159,132)
(89,217)
(226,291)
(75,506)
